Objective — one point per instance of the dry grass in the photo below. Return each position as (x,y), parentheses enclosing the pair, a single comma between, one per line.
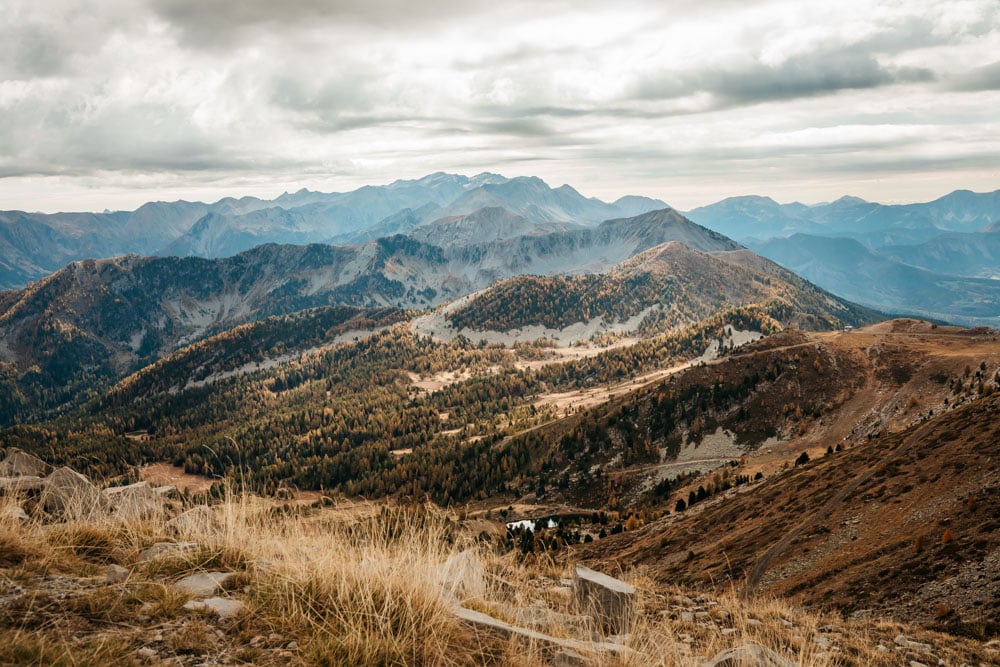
(327,587)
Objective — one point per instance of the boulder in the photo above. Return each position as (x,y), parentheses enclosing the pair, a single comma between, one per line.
(22,484)
(750,655)
(480,622)
(135,501)
(167,491)
(610,600)
(463,575)
(222,607)
(116,574)
(19,463)
(70,494)
(13,513)
(203,584)
(197,521)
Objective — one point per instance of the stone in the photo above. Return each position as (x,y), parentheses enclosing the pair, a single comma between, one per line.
(26,484)
(147,652)
(134,501)
(463,575)
(197,521)
(610,600)
(905,642)
(687,616)
(481,622)
(166,550)
(729,631)
(749,655)
(72,495)
(167,491)
(203,584)
(754,623)
(565,657)
(221,607)
(18,463)
(14,513)
(116,574)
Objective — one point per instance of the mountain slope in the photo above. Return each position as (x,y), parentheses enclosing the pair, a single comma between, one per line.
(975,255)
(670,285)
(847,268)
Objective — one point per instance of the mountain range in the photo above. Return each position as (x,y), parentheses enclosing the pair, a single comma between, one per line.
(938,259)
(32,245)
(95,320)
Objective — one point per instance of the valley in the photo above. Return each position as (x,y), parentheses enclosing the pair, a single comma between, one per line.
(672,407)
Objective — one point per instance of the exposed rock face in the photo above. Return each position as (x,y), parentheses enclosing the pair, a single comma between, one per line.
(609,599)
(69,493)
(18,463)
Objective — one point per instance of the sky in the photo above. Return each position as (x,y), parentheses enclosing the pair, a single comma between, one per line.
(111,103)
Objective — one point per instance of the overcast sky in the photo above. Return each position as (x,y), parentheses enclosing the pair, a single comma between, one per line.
(110,103)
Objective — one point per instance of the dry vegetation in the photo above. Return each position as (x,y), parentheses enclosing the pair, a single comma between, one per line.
(369,586)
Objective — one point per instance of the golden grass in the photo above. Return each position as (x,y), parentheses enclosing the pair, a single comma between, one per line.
(359,587)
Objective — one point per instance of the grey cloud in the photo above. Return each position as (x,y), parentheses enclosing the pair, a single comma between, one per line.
(810,75)
(218,23)
(986,77)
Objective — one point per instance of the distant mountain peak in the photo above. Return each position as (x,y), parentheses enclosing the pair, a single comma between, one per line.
(849,200)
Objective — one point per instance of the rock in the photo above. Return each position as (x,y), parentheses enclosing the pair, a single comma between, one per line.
(197,521)
(19,463)
(222,607)
(116,574)
(146,652)
(167,492)
(548,620)
(729,631)
(71,494)
(26,484)
(687,616)
(749,655)
(610,599)
(166,550)
(135,501)
(203,584)
(754,623)
(905,642)
(14,513)
(463,575)
(481,622)
(565,657)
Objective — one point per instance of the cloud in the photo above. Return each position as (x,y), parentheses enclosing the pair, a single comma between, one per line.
(221,23)
(986,77)
(808,75)
(257,91)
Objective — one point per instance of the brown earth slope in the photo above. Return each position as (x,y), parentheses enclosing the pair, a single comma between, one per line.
(905,521)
